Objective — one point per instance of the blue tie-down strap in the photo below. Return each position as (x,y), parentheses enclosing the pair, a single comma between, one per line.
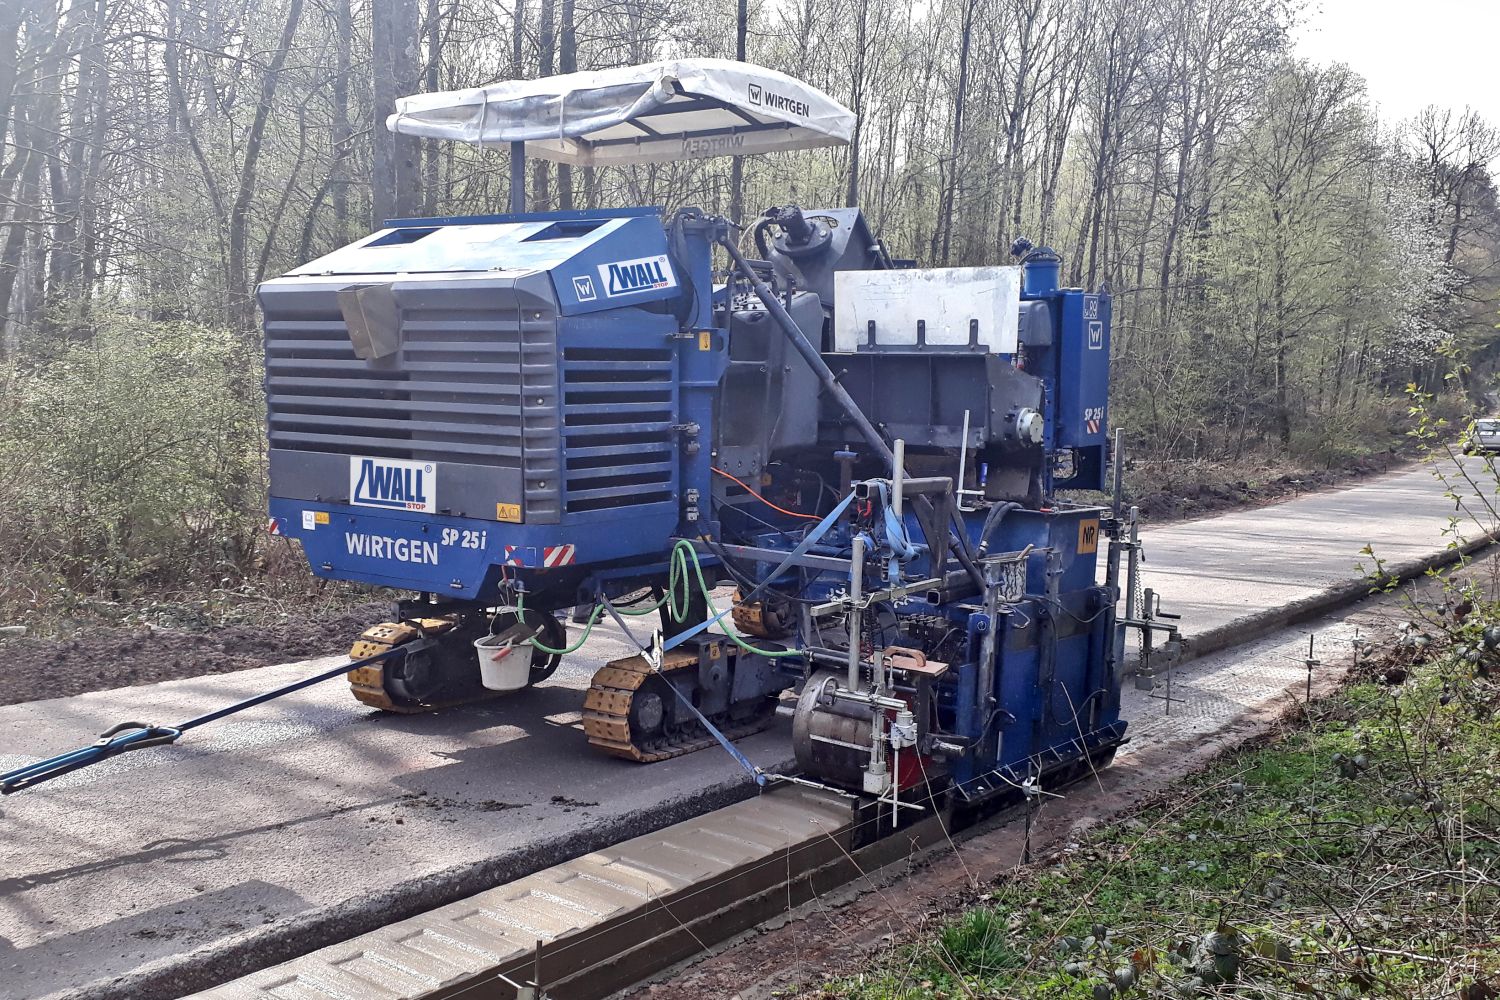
(755,773)
(139,735)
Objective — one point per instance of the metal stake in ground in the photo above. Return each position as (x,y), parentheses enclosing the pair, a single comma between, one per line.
(1309,662)
(1033,800)
(1150,611)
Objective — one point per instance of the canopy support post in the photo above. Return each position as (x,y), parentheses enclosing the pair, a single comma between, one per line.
(517,178)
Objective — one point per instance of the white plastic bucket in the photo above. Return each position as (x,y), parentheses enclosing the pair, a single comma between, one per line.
(503,667)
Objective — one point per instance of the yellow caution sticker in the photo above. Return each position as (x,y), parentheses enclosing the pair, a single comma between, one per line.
(508,512)
(1088,536)
(705,340)
(320,517)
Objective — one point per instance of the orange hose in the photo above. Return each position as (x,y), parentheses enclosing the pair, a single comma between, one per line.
(747,489)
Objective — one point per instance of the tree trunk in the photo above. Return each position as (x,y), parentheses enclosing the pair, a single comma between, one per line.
(395,184)
(517,72)
(1278,279)
(241,303)
(343,132)
(736,164)
(955,145)
(856,97)
(13,311)
(541,170)
(12,13)
(66,273)
(432,81)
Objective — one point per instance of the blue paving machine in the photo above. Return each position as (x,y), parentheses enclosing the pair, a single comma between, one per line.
(527,419)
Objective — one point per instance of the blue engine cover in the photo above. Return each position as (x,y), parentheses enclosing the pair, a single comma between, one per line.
(1082,413)
(528,419)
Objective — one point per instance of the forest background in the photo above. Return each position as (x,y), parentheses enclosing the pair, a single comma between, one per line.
(1284,263)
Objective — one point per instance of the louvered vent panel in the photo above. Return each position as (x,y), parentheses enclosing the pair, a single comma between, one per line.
(474,383)
(618,408)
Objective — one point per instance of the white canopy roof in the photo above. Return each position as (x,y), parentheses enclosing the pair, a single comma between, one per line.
(675,110)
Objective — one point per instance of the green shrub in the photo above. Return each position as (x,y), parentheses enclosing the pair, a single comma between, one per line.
(1370,424)
(133,458)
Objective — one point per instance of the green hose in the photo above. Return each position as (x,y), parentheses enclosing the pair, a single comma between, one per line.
(538,644)
(684,546)
(684,558)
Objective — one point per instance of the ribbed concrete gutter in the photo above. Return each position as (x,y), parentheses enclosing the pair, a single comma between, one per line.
(241,954)
(595,924)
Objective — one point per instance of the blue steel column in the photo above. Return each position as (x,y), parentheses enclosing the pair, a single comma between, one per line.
(702,355)
(517,178)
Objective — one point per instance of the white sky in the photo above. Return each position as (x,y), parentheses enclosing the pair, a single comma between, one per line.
(1439,52)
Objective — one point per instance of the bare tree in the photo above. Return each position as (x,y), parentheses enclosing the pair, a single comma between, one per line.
(395,183)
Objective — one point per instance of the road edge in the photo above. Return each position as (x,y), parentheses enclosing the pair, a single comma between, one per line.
(1251,627)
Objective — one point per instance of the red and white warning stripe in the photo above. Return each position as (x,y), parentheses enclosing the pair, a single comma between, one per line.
(1093,426)
(552,555)
(559,555)
(273,526)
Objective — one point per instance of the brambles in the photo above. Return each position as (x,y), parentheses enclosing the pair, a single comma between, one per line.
(132,461)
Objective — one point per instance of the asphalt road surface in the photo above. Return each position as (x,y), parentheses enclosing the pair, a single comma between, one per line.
(311,818)
(1226,568)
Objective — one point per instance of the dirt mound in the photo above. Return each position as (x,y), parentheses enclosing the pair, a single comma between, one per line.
(103,657)
(1179,500)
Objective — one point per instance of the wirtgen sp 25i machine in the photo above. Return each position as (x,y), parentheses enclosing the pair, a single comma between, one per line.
(515,416)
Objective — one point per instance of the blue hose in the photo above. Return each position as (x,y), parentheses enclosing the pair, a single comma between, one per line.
(140,735)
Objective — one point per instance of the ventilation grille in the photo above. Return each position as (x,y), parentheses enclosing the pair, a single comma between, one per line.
(618,408)
(452,394)
(474,386)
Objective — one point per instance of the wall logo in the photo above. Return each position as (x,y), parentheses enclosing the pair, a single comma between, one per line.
(644,274)
(393,484)
(1096,335)
(583,287)
(1091,307)
(760,97)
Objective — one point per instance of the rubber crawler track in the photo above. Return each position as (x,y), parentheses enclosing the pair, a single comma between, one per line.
(606,712)
(367,684)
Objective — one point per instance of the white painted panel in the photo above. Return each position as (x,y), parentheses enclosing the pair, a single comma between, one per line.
(947,299)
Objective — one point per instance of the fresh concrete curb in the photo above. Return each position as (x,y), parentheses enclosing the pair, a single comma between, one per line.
(252,950)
